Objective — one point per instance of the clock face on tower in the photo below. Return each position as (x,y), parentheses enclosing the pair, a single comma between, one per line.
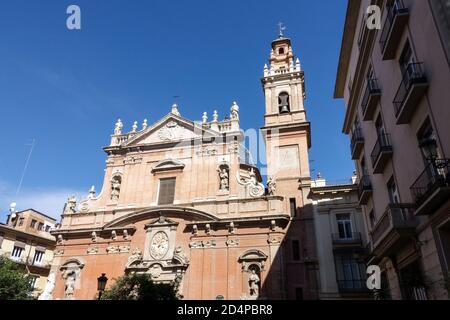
(159,245)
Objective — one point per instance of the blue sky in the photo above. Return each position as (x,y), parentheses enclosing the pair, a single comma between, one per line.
(67,88)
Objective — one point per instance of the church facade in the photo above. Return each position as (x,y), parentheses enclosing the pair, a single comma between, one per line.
(182,202)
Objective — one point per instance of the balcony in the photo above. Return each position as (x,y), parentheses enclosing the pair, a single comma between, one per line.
(357,144)
(432,188)
(350,240)
(412,88)
(370,99)
(352,286)
(394,228)
(396,19)
(381,153)
(364,190)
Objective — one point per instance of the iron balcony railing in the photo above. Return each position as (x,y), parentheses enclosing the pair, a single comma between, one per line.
(371,89)
(396,216)
(354,237)
(364,185)
(397,8)
(435,175)
(413,75)
(357,137)
(383,144)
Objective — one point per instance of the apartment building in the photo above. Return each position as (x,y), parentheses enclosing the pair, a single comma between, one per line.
(340,237)
(26,239)
(395,83)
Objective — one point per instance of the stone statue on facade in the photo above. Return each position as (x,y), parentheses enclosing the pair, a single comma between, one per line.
(115,188)
(234,111)
(253,282)
(49,287)
(224,179)
(118,127)
(271,186)
(70,277)
(71,205)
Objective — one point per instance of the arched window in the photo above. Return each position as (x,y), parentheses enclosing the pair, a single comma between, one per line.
(283,103)
(281,51)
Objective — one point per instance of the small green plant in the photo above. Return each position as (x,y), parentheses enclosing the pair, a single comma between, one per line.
(14,281)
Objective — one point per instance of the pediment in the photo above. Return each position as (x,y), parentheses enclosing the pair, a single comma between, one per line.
(170,129)
(162,221)
(167,165)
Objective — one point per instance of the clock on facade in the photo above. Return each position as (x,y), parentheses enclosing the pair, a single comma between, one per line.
(159,245)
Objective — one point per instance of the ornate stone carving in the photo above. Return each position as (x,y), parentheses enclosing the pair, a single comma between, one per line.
(169,132)
(58,252)
(92,250)
(255,189)
(71,205)
(47,294)
(194,229)
(132,160)
(209,243)
(195,244)
(271,186)
(155,271)
(126,236)
(94,236)
(112,249)
(124,249)
(206,151)
(208,229)
(159,245)
(180,255)
(136,255)
(232,242)
(116,182)
(114,235)
(59,239)
(274,240)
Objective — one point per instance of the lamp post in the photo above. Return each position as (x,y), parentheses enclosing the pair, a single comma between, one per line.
(101,284)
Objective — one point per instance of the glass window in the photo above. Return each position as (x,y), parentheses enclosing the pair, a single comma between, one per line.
(16,253)
(38,255)
(33,223)
(166,191)
(344,224)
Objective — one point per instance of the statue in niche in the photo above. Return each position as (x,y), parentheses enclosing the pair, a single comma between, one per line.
(224,178)
(253,283)
(71,205)
(69,284)
(271,186)
(49,287)
(116,181)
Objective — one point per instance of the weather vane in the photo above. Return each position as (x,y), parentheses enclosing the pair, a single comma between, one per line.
(281,28)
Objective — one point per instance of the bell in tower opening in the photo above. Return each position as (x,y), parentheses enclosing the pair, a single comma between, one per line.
(283,103)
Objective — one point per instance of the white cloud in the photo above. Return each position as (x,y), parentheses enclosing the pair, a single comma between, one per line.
(47,201)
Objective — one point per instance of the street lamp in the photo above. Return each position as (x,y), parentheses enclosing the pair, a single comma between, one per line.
(101,284)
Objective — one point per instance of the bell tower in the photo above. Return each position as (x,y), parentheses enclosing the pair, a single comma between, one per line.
(286,129)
